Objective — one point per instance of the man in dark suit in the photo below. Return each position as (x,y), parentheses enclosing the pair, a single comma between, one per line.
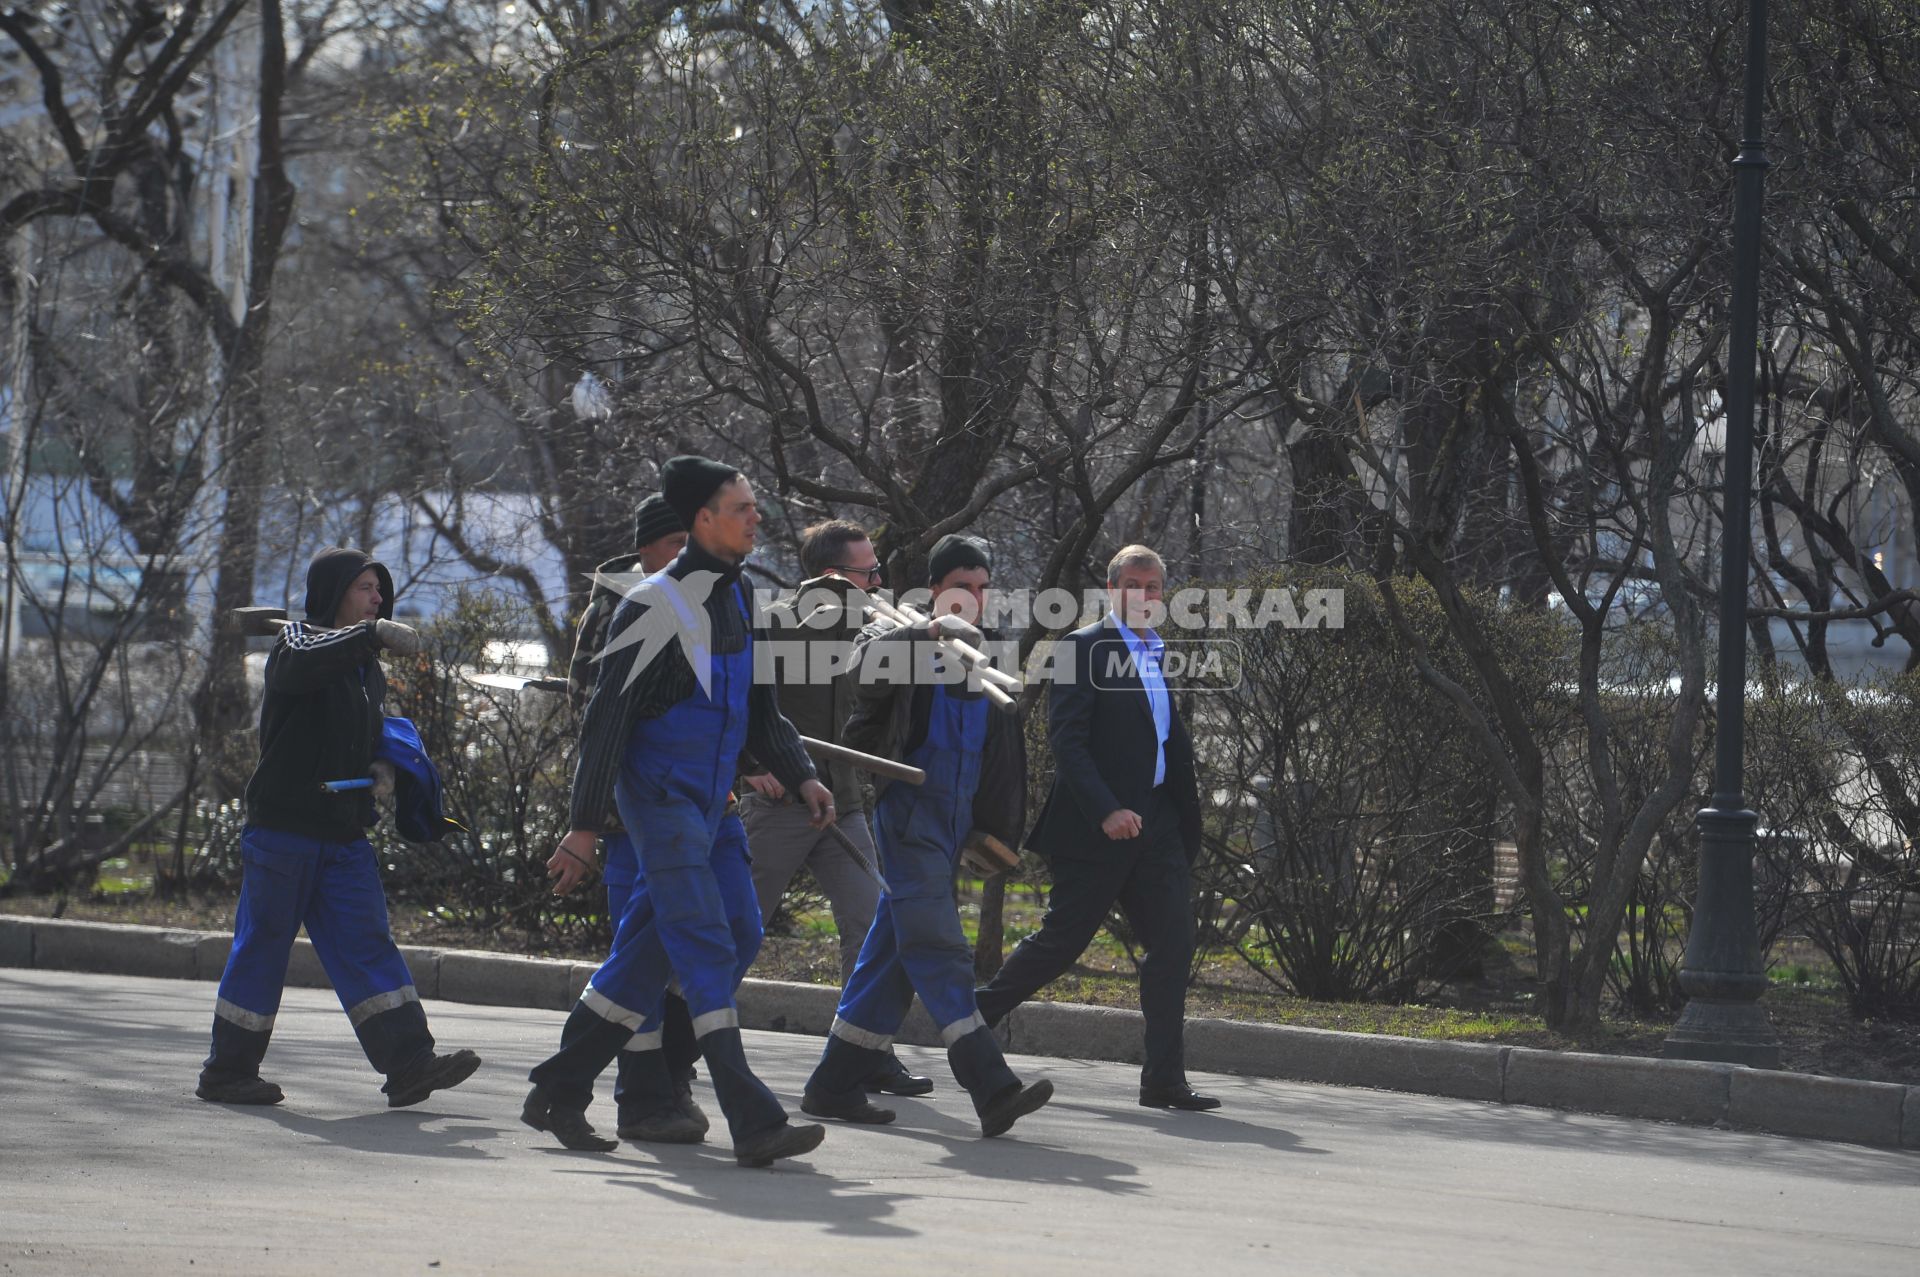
(1121,824)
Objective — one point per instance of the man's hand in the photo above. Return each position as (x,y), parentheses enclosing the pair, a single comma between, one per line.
(819,801)
(767,785)
(572,862)
(396,637)
(1121,824)
(949,626)
(382,779)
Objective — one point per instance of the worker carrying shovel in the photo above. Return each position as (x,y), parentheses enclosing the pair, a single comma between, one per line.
(974,762)
(304,850)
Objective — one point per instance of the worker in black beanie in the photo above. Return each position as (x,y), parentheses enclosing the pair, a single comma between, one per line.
(654,520)
(653,1105)
(688,482)
(974,762)
(661,740)
(954,551)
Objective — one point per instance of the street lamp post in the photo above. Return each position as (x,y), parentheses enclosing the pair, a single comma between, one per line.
(1722,972)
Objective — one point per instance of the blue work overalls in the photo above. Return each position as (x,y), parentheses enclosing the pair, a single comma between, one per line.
(916,944)
(672,797)
(334,889)
(664,1048)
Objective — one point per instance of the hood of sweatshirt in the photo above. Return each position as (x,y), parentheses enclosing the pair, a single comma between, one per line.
(329,575)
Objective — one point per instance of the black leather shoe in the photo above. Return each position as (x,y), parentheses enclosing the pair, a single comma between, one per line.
(1013,1104)
(1176,1097)
(900,1083)
(862,1110)
(569,1126)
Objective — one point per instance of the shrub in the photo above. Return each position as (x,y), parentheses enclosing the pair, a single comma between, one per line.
(1354,822)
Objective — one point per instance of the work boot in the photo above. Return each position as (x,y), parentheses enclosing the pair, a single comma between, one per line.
(786,1140)
(856,1108)
(663,1126)
(569,1126)
(684,1101)
(999,1114)
(239,1090)
(436,1073)
(844,1069)
(749,1107)
(997,1095)
(649,1102)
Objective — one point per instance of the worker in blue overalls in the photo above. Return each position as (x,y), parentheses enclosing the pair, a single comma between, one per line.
(304,851)
(673,705)
(653,1082)
(917,707)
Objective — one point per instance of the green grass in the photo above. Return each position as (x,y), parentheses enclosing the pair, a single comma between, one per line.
(818,925)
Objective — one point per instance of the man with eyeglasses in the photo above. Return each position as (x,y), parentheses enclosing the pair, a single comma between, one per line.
(812,635)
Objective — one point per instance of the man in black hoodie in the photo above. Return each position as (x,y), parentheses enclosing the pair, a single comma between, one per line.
(305,853)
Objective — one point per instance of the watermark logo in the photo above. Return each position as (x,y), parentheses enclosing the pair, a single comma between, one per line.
(1193,648)
(1182,665)
(669,611)
(1190,610)
(1111,663)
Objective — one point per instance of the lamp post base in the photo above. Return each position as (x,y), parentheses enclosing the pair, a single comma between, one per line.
(1729,1032)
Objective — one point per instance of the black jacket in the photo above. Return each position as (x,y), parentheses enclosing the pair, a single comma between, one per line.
(1100,728)
(890,720)
(322,711)
(595,622)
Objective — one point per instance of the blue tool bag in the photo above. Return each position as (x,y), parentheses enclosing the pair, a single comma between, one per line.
(417,813)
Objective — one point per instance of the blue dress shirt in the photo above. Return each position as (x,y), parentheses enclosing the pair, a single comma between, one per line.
(1146,650)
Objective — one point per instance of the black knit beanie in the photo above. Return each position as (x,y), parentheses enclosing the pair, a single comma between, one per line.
(955,551)
(653,520)
(690,482)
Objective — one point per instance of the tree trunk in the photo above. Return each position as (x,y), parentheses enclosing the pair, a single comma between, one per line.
(220,705)
(1552,938)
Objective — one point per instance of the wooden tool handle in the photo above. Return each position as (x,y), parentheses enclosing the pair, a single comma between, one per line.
(975,659)
(984,666)
(866,762)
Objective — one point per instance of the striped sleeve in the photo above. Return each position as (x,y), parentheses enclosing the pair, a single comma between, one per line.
(773,740)
(307,656)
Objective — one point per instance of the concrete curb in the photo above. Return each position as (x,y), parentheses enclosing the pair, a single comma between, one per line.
(1875,1113)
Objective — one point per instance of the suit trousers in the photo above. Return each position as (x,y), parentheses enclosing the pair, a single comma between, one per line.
(783,841)
(1147,877)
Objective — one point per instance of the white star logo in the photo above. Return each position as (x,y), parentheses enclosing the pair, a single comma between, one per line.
(666,609)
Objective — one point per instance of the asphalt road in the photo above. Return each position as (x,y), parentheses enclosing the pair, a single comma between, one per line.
(108,1164)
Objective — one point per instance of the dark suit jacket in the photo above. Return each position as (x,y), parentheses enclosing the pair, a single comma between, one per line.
(1100,728)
